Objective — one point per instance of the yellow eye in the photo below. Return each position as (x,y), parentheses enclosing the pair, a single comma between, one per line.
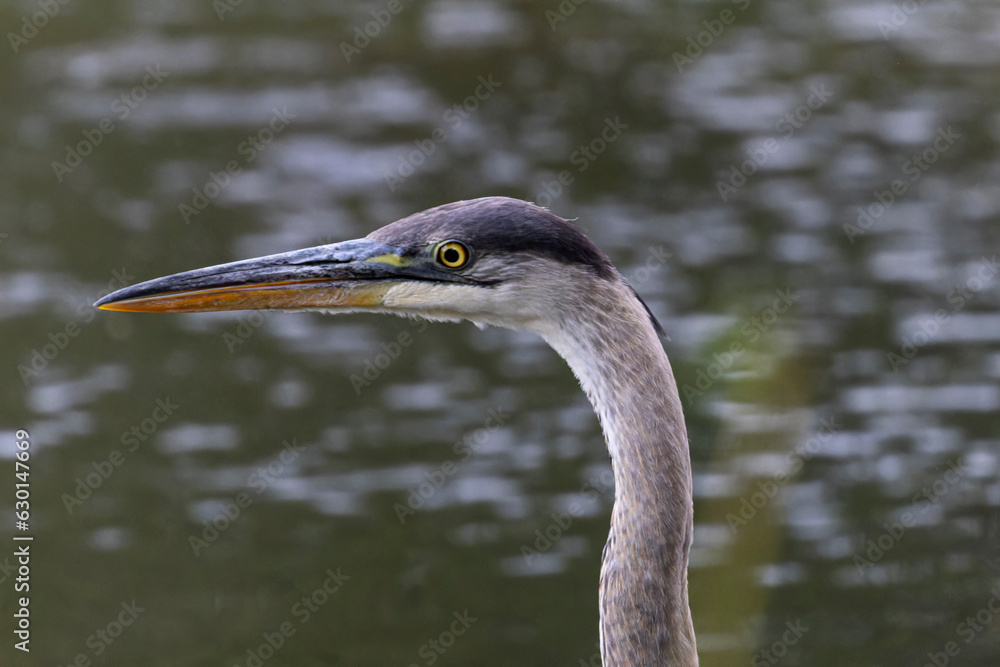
(453,254)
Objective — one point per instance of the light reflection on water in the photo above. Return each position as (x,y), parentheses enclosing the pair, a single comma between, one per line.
(382,485)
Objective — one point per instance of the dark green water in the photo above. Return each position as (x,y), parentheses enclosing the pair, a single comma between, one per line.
(804,192)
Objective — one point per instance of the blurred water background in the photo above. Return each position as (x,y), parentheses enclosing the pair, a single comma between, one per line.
(805,193)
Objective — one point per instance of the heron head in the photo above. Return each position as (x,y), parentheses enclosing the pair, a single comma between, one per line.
(493,261)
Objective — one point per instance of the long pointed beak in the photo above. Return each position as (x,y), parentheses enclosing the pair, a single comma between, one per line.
(352,274)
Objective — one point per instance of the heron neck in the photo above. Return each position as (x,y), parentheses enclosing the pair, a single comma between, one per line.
(620,362)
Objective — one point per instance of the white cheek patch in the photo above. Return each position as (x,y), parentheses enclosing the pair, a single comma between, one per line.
(447,303)
(531,296)
(492,306)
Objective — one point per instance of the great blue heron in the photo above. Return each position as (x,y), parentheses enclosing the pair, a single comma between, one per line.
(505,262)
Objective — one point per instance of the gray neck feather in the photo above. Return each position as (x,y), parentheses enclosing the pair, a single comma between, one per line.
(614,351)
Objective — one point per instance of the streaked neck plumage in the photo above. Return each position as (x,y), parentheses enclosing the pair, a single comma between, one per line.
(617,355)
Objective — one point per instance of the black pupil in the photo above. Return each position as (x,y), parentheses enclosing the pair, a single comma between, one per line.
(451,256)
